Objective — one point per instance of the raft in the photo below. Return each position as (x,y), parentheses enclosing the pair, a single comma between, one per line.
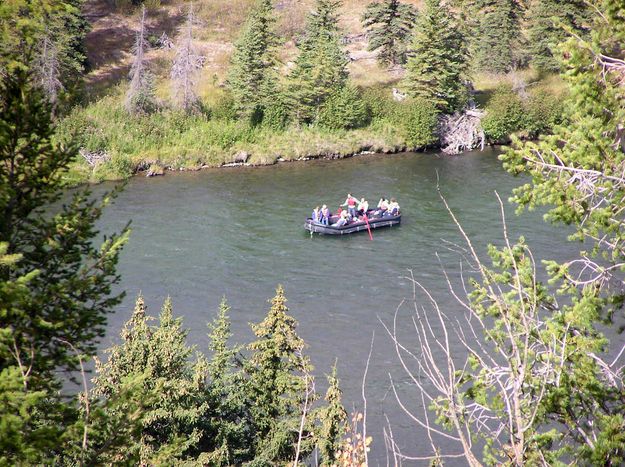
(353,227)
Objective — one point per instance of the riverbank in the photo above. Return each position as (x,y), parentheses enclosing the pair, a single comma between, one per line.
(115,145)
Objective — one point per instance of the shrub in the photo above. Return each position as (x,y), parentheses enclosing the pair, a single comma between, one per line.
(504,115)
(543,111)
(224,107)
(380,103)
(343,110)
(418,119)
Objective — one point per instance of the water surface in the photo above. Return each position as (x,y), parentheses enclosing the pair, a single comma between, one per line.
(239,232)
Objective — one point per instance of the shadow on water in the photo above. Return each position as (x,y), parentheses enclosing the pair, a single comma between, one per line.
(239,233)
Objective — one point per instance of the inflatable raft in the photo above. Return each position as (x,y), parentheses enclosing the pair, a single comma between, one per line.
(352,227)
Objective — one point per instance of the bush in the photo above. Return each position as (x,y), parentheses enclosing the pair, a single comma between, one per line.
(343,110)
(276,114)
(224,108)
(418,119)
(543,111)
(380,103)
(504,115)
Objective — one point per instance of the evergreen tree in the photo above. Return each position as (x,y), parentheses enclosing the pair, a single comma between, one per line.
(437,59)
(140,97)
(159,354)
(333,418)
(577,173)
(498,35)
(389,25)
(277,385)
(228,421)
(321,67)
(252,74)
(185,67)
(548,23)
(69,296)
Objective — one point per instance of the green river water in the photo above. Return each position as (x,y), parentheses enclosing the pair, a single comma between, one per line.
(239,232)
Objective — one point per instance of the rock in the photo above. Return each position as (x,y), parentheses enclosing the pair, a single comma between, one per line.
(241,157)
(155,170)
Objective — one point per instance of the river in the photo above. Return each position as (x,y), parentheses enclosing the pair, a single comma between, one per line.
(239,232)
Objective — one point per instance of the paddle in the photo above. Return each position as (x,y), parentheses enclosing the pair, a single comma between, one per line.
(368,226)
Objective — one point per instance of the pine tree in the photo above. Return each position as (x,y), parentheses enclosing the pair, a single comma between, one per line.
(70,295)
(277,384)
(140,97)
(577,173)
(437,59)
(389,26)
(321,67)
(548,20)
(160,355)
(185,67)
(228,421)
(498,35)
(48,69)
(253,70)
(333,417)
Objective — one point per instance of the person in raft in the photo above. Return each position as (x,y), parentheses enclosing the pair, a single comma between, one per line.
(316,215)
(343,220)
(325,215)
(350,202)
(382,207)
(393,207)
(363,207)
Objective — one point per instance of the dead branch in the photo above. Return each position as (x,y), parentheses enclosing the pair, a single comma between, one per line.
(461,131)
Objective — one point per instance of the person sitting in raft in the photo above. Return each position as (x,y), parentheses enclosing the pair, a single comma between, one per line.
(316,215)
(325,215)
(343,220)
(393,207)
(350,202)
(363,207)
(382,207)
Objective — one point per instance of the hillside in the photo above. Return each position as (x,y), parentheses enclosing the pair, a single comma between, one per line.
(113,28)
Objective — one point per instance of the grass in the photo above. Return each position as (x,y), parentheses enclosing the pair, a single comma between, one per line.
(176,141)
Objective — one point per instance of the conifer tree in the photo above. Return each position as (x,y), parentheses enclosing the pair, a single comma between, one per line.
(228,421)
(389,25)
(547,23)
(321,67)
(252,74)
(498,35)
(48,69)
(159,354)
(437,59)
(277,384)
(140,97)
(69,296)
(332,417)
(186,65)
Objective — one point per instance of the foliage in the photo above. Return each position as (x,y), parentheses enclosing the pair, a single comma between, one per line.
(498,35)
(550,22)
(277,370)
(321,66)
(332,417)
(389,25)
(253,73)
(69,296)
(504,115)
(587,144)
(543,111)
(437,59)
(418,119)
(344,109)
(171,426)
(228,423)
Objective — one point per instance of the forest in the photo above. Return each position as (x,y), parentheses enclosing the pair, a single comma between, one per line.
(205,84)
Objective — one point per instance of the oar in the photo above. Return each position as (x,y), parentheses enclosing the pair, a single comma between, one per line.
(368,226)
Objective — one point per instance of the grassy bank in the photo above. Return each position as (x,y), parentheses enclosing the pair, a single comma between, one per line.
(170,140)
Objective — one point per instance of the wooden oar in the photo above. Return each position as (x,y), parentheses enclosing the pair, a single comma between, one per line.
(368,226)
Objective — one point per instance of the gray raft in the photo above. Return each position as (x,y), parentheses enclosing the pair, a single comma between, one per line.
(374,223)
